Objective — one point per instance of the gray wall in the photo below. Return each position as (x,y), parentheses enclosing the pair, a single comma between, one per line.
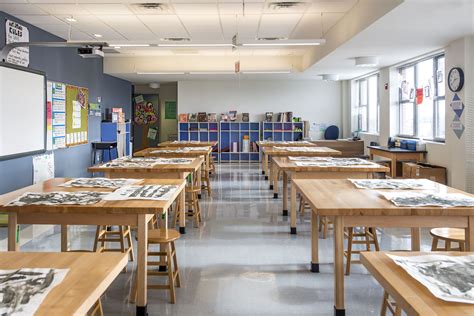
(64,65)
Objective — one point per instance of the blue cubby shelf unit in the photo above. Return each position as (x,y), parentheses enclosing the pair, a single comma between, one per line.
(234,132)
(282,131)
(200,131)
(116,132)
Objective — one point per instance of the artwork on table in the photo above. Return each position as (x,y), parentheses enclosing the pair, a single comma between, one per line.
(168,151)
(335,162)
(58,198)
(203,148)
(99,183)
(449,278)
(142,192)
(419,199)
(23,290)
(173,161)
(394,184)
(303,158)
(128,162)
(303,149)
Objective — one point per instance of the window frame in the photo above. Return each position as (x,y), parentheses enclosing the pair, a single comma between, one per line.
(366,106)
(436,98)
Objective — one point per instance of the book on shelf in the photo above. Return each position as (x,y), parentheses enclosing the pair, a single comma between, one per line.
(183,118)
(269,117)
(202,117)
(245,117)
(212,117)
(232,115)
(192,117)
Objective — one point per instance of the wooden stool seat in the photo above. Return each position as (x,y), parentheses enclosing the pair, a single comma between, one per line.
(448,235)
(157,236)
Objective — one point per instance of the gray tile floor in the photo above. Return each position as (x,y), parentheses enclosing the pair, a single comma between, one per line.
(243,261)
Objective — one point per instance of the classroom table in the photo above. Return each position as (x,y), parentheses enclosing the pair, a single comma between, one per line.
(137,213)
(167,171)
(352,207)
(409,294)
(185,143)
(395,154)
(80,289)
(268,144)
(283,152)
(292,171)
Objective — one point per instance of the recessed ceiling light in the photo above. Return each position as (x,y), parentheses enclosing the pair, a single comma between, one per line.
(368,61)
(98,35)
(71,19)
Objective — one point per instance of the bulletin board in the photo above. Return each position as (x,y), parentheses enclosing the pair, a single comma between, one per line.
(77,119)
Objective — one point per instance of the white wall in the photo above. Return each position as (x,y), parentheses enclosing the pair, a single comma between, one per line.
(315,101)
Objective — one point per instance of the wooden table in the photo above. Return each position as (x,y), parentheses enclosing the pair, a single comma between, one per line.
(281,152)
(137,213)
(268,144)
(80,289)
(410,295)
(292,170)
(348,147)
(187,144)
(168,171)
(352,207)
(396,154)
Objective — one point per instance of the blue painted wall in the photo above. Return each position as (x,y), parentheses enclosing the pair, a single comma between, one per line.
(64,65)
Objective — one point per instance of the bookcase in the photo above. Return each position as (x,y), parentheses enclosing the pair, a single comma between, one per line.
(234,132)
(282,131)
(119,133)
(200,131)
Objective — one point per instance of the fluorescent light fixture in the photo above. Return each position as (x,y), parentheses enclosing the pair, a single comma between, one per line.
(368,61)
(198,45)
(129,45)
(267,72)
(71,19)
(160,72)
(312,42)
(212,72)
(330,77)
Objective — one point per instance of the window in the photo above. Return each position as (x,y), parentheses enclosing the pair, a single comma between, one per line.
(422,99)
(367,98)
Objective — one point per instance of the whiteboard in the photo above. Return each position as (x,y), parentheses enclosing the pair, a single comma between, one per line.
(22,112)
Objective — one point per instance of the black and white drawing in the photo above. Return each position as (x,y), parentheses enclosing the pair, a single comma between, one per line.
(419,199)
(142,192)
(128,162)
(334,162)
(173,161)
(301,149)
(22,291)
(58,198)
(99,183)
(204,148)
(394,184)
(450,278)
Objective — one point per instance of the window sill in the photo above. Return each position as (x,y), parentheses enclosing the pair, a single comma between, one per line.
(428,141)
(369,134)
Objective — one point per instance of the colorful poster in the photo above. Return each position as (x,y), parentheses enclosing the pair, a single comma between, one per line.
(49,116)
(14,33)
(77,109)
(57,94)
(144,111)
(419,96)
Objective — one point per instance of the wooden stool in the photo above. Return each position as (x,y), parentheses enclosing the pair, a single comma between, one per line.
(205,181)
(303,206)
(96,309)
(212,165)
(448,235)
(167,251)
(324,223)
(368,237)
(105,234)
(391,305)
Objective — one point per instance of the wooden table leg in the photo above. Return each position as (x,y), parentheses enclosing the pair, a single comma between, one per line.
(285,192)
(263,162)
(275,180)
(393,169)
(13,232)
(265,165)
(293,209)
(270,173)
(142,237)
(198,179)
(339,309)
(415,239)
(314,242)
(182,210)
(470,234)
(64,239)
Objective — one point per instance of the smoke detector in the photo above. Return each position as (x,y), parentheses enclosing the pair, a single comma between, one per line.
(285,5)
(154,85)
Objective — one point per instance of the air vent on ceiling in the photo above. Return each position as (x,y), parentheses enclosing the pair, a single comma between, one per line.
(150,7)
(285,5)
(272,38)
(176,39)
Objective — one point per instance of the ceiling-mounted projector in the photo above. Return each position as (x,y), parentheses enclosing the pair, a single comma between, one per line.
(90,52)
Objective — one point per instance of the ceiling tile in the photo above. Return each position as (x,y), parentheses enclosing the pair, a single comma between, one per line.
(164,25)
(332,6)
(330,19)
(71,9)
(247,26)
(15,9)
(39,19)
(278,25)
(236,8)
(309,27)
(268,8)
(98,9)
(129,26)
(92,25)
(203,27)
(195,8)
(62,30)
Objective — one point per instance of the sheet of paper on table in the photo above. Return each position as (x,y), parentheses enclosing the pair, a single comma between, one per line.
(22,291)
(334,162)
(450,278)
(196,148)
(168,151)
(128,162)
(394,184)
(58,198)
(99,183)
(419,199)
(304,149)
(142,192)
(173,161)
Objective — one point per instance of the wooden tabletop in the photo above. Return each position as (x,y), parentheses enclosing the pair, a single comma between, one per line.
(286,164)
(396,150)
(89,277)
(318,151)
(108,207)
(412,296)
(300,143)
(189,167)
(171,152)
(339,197)
(187,144)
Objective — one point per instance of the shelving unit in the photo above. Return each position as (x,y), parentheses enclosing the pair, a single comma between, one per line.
(200,131)
(279,131)
(234,132)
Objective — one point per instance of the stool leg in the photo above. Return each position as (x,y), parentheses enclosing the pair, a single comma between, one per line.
(301,208)
(447,245)
(383,311)
(325,228)
(376,240)
(349,250)
(130,244)
(170,274)
(175,263)
(122,239)
(96,239)
(461,246)
(367,238)
(434,244)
